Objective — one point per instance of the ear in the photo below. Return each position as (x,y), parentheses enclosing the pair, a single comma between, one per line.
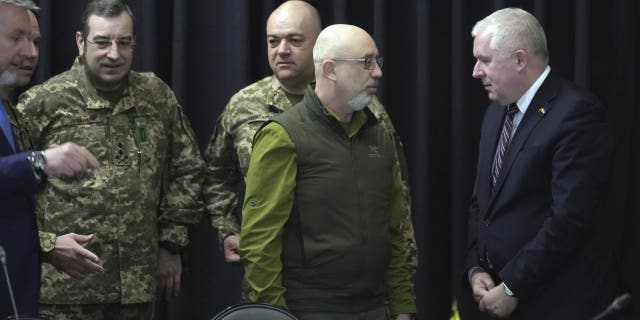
(329,69)
(80,43)
(522,59)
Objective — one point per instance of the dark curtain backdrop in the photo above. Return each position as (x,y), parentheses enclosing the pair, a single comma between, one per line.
(207,50)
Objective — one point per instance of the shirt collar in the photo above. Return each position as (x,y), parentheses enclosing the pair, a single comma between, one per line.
(358,119)
(525,99)
(91,96)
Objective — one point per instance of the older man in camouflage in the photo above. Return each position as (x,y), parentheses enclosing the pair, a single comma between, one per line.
(147,188)
(291,33)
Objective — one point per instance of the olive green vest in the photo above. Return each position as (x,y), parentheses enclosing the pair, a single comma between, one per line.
(337,244)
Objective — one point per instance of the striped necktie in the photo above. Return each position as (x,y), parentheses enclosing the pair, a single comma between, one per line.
(505,138)
(5,124)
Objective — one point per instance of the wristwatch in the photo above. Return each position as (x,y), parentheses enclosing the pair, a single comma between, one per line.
(38,161)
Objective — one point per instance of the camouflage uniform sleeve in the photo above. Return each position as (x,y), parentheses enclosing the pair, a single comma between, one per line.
(47,241)
(222,175)
(406,225)
(181,203)
(29,106)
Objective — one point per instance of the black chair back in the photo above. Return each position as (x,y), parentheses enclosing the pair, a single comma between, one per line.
(254,311)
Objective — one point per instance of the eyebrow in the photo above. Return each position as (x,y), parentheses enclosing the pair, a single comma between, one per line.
(288,35)
(102,36)
(19,32)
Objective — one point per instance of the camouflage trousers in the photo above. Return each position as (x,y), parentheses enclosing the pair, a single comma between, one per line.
(113,311)
(380,313)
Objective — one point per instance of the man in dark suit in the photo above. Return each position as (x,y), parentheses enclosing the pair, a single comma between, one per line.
(539,246)
(22,173)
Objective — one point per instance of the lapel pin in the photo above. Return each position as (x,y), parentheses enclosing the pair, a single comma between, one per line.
(542,111)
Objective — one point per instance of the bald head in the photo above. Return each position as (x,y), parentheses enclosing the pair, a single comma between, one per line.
(291,32)
(346,68)
(343,41)
(296,11)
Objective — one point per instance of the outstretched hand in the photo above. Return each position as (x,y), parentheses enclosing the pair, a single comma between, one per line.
(70,256)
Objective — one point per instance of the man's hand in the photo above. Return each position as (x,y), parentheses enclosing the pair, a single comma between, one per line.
(481,283)
(231,244)
(403,316)
(70,256)
(69,159)
(169,271)
(497,304)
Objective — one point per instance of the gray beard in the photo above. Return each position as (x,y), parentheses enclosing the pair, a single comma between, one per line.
(8,79)
(360,101)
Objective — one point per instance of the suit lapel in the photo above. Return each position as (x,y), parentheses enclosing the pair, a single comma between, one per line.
(536,111)
(5,147)
(492,126)
(4,144)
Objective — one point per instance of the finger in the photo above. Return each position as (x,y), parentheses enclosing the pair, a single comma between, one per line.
(91,267)
(88,255)
(84,266)
(487,282)
(81,238)
(61,169)
(92,161)
(232,256)
(77,158)
(177,284)
(169,287)
(88,158)
(482,306)
(73,166)
(75,274)
(161,286)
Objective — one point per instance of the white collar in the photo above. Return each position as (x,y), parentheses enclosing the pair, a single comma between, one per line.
(525,99)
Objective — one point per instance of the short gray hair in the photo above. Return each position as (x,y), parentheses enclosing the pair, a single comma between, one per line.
(513,28)
(26,4)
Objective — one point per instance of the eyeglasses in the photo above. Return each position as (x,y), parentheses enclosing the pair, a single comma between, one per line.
(106,43)
(366,61)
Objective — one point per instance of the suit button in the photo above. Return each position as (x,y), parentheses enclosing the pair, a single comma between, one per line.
(487,223)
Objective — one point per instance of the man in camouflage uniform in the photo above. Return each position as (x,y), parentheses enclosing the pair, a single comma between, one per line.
(291,33)
(147,188)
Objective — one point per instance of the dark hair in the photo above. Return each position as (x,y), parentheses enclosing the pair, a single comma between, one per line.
(103,8)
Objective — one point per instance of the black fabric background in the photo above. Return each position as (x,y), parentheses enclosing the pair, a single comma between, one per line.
(207,50)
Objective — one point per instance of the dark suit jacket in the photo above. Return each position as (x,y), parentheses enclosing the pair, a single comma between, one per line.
(18,229)
(540,226)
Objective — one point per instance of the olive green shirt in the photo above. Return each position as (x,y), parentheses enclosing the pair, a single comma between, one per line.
(228,152)
(273,163)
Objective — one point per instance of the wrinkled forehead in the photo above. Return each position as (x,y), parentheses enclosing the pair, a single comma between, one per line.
(287,24)
(15,19)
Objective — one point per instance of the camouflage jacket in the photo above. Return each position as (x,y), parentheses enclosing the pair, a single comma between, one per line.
(228,152)
(146,190)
